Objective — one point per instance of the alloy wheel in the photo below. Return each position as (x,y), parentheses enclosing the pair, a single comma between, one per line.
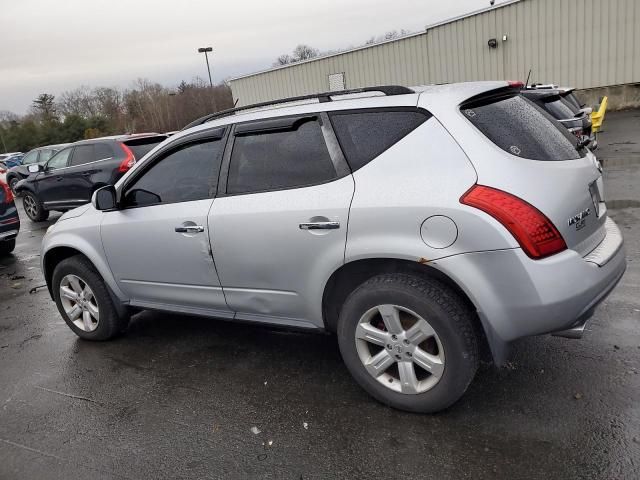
(30,206)
(79,303)
(400,349)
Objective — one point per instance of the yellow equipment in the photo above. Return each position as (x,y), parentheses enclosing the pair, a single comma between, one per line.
(597,117)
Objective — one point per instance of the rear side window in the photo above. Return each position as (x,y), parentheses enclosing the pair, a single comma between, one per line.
(519,127)
(82,154)
(364,135)
(295,157)
(188,173)
(102,151)
(141,146)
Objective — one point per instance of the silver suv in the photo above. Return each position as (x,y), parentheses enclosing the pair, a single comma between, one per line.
(420,225)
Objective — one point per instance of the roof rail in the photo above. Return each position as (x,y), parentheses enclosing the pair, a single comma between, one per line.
(321,97)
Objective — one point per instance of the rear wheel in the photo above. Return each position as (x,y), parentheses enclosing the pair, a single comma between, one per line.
(409,342)
(7,246)
(34,208)
(84,301)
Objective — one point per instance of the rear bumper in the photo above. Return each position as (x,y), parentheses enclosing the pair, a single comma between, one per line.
(517,296)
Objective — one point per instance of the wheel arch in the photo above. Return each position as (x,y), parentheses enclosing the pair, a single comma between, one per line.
(52,257)
(25,187)
(346,278)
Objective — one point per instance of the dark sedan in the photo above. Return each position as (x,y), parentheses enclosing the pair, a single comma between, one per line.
(9,220)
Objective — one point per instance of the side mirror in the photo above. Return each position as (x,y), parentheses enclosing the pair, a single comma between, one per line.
(35,168)
(104,198)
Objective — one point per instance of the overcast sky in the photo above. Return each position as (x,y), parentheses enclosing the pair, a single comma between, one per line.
(53,46)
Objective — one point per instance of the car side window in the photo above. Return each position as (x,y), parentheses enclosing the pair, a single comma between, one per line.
(187,173)
(102,151)
(365,134)
(31,157)
(45,155)
(60,159)
(83,154)
(269,160)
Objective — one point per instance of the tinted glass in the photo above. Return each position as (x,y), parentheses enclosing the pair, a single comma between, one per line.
(45,155)
(141,146)
(365,135)
(83,154)
(186,174)
(102,151)
(284,159)
(60,159)
(519,127)
(31,157)
(572,100)
(560,109)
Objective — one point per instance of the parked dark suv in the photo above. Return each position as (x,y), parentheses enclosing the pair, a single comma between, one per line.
(71,176)
(40,155)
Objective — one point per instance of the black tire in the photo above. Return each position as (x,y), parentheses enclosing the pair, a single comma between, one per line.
(13,181)
(110,323)
(447,314)
(7,246)
(38,213)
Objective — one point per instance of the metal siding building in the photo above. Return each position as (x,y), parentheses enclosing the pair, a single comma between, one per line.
(581,43)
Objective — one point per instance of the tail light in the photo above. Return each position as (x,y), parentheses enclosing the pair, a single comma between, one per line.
(8,194)
(515,84)
(535,233)
(129,161)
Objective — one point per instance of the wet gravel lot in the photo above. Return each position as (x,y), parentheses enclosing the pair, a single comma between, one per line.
(178,397)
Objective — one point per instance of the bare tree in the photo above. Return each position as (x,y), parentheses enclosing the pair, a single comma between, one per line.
(390,35)
(300,53)
(283,59)
(304,52)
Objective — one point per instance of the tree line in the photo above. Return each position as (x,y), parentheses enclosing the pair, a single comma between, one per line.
(87,112)
(305,52)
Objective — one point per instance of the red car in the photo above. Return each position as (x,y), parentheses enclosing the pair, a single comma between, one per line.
(9,220)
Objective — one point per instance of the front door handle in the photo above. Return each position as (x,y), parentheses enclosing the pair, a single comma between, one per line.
(320,226)
(190,229)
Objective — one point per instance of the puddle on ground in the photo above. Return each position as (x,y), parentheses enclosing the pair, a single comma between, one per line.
(619,204)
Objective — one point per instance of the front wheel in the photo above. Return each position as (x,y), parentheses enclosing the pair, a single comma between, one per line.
(84,302)
(34,208)
(12,184)
(409,342)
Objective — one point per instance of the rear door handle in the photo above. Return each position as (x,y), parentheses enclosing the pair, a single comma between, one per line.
(190,229)
(320,226)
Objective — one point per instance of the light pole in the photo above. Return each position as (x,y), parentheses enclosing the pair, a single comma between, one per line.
(205,50)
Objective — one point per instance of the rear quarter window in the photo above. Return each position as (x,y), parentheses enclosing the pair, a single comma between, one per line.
(520,128)
(363,135)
